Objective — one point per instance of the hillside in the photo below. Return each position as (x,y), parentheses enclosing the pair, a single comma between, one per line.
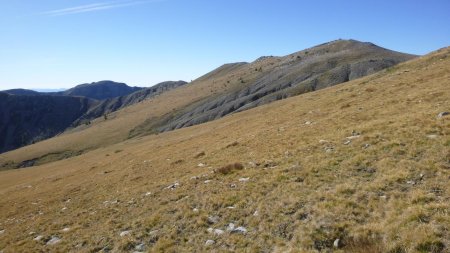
(100,90)
(113,104)
(22,125)
(26,119)
(357,167)
(228,89)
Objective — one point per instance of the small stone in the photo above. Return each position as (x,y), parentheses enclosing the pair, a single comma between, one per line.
(352,137)
(201,165)
(147,194)
(329,149)
(432,136)
(230,227)
(256,213)
(209,242)
(173,186)
(367,145)
(2,232)
(323,141)
(231,207)
(233,185)
(140,247)
(442,114)
(38,238)
(195,210)
(64,208)
(239,230)
(125,233)
(54,240)
(218,232)
(65,229)
(210,230)
(194,178)
(337,243)
(411,182)
(213,219)
(308,123)
(207,181)
(347,142)
(244,179)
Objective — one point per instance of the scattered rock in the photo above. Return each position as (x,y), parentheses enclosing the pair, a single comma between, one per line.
(252,164)
(201,165)
(65,229)
(64,208)
(239,230)
(125,233)
(140,247)
(411,182)
(366,146)
(54,240)
(218,232)
(213,219)
(323,141)
(38,238)
(352,137)
(329,149)
(244,179)
(173,186)
(209,242)
(230,227)
(2,232)
(147,194)
(256,213)
(195,210)
(442,114)
(347,142)
(233,185)
(207,181)
(337,243)
(432,136)
(231,207)
(308,123)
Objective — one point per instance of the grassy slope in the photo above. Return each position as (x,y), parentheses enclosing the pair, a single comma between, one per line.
(391,194)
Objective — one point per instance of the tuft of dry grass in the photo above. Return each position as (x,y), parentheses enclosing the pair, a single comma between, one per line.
(228,169)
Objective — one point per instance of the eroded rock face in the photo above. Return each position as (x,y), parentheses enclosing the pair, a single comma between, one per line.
(308,70)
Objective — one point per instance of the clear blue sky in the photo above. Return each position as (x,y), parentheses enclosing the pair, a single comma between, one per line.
(61,43)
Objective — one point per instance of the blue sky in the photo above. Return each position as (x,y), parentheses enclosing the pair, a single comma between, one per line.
(61,43)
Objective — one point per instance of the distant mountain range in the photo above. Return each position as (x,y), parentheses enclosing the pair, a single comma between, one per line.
(29,116)
(96,90)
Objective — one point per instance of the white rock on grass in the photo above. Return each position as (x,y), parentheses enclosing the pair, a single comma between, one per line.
(195,210)
(218,232)
(230,227)
(244,179)
(54,240)
(125,233)
(65,229)
(239,230)
(173,186)
(213,219)
(209,242)
(201,165)
(2,232)
(147,194)
(140,247)
(38,238)
(207,181)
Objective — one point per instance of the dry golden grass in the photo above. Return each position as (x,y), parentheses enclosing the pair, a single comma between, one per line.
(385,191)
